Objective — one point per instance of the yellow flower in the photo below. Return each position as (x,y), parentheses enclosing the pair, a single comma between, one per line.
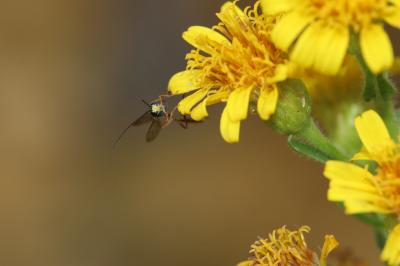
(235,62)
(391,252)
(284,247)
(319,31)
(364,192)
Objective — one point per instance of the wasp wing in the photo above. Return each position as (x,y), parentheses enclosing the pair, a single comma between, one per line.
(154,129)
(145,118)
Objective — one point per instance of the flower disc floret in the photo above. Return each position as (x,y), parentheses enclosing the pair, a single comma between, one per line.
(284,247)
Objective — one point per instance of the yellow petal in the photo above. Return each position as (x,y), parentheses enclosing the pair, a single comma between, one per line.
(204,38)
(245,263)
(185,81)
(353,195)
(331,49)
(231,10)
(362,155)
(330,244)
(393,17)
(351,184)
(322,47)
(281,73)
(304,50)
(391,251)
(376,48)
(354,207)
(272,7)
(238,104)
(200,111)
(288,28)
(373,132)
(185,106)
(229,130)
(267,101)
(337,170)
(236,21)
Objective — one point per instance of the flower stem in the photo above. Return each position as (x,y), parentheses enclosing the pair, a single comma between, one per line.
(385,106)
(313,135)
(381,90)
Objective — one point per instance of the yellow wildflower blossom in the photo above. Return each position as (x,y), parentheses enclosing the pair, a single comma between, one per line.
(318,31)
(364,192)
(235,62)
(284,247)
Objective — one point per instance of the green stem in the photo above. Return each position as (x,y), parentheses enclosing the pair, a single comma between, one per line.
(313,135)
(379,88)
(385,108)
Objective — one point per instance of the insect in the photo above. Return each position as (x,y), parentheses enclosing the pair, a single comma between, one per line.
(158,117)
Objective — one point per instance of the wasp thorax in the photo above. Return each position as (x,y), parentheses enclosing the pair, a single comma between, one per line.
(157,109)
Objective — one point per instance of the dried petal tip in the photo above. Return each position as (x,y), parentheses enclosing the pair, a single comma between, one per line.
(330,244)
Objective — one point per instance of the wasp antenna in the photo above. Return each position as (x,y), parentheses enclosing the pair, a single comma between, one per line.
(146,103)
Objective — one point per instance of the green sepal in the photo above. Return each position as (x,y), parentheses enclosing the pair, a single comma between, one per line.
(380,237)
(306,150)
(386,87)
(373,219)
(370,219)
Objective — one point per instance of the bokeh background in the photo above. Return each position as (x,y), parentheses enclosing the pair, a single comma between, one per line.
(72,74)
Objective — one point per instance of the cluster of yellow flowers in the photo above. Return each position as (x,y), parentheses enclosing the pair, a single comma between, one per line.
(251,59)
(244,57)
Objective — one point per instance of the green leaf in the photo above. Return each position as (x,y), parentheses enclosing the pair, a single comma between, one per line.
(307,150)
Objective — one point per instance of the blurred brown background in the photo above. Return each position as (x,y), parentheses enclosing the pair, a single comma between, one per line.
(72,74)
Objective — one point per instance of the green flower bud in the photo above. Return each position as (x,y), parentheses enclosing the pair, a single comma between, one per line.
(294,107)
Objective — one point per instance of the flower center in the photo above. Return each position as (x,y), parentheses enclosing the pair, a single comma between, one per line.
(283,247)
(389,181)
(250,57)
(354,13)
